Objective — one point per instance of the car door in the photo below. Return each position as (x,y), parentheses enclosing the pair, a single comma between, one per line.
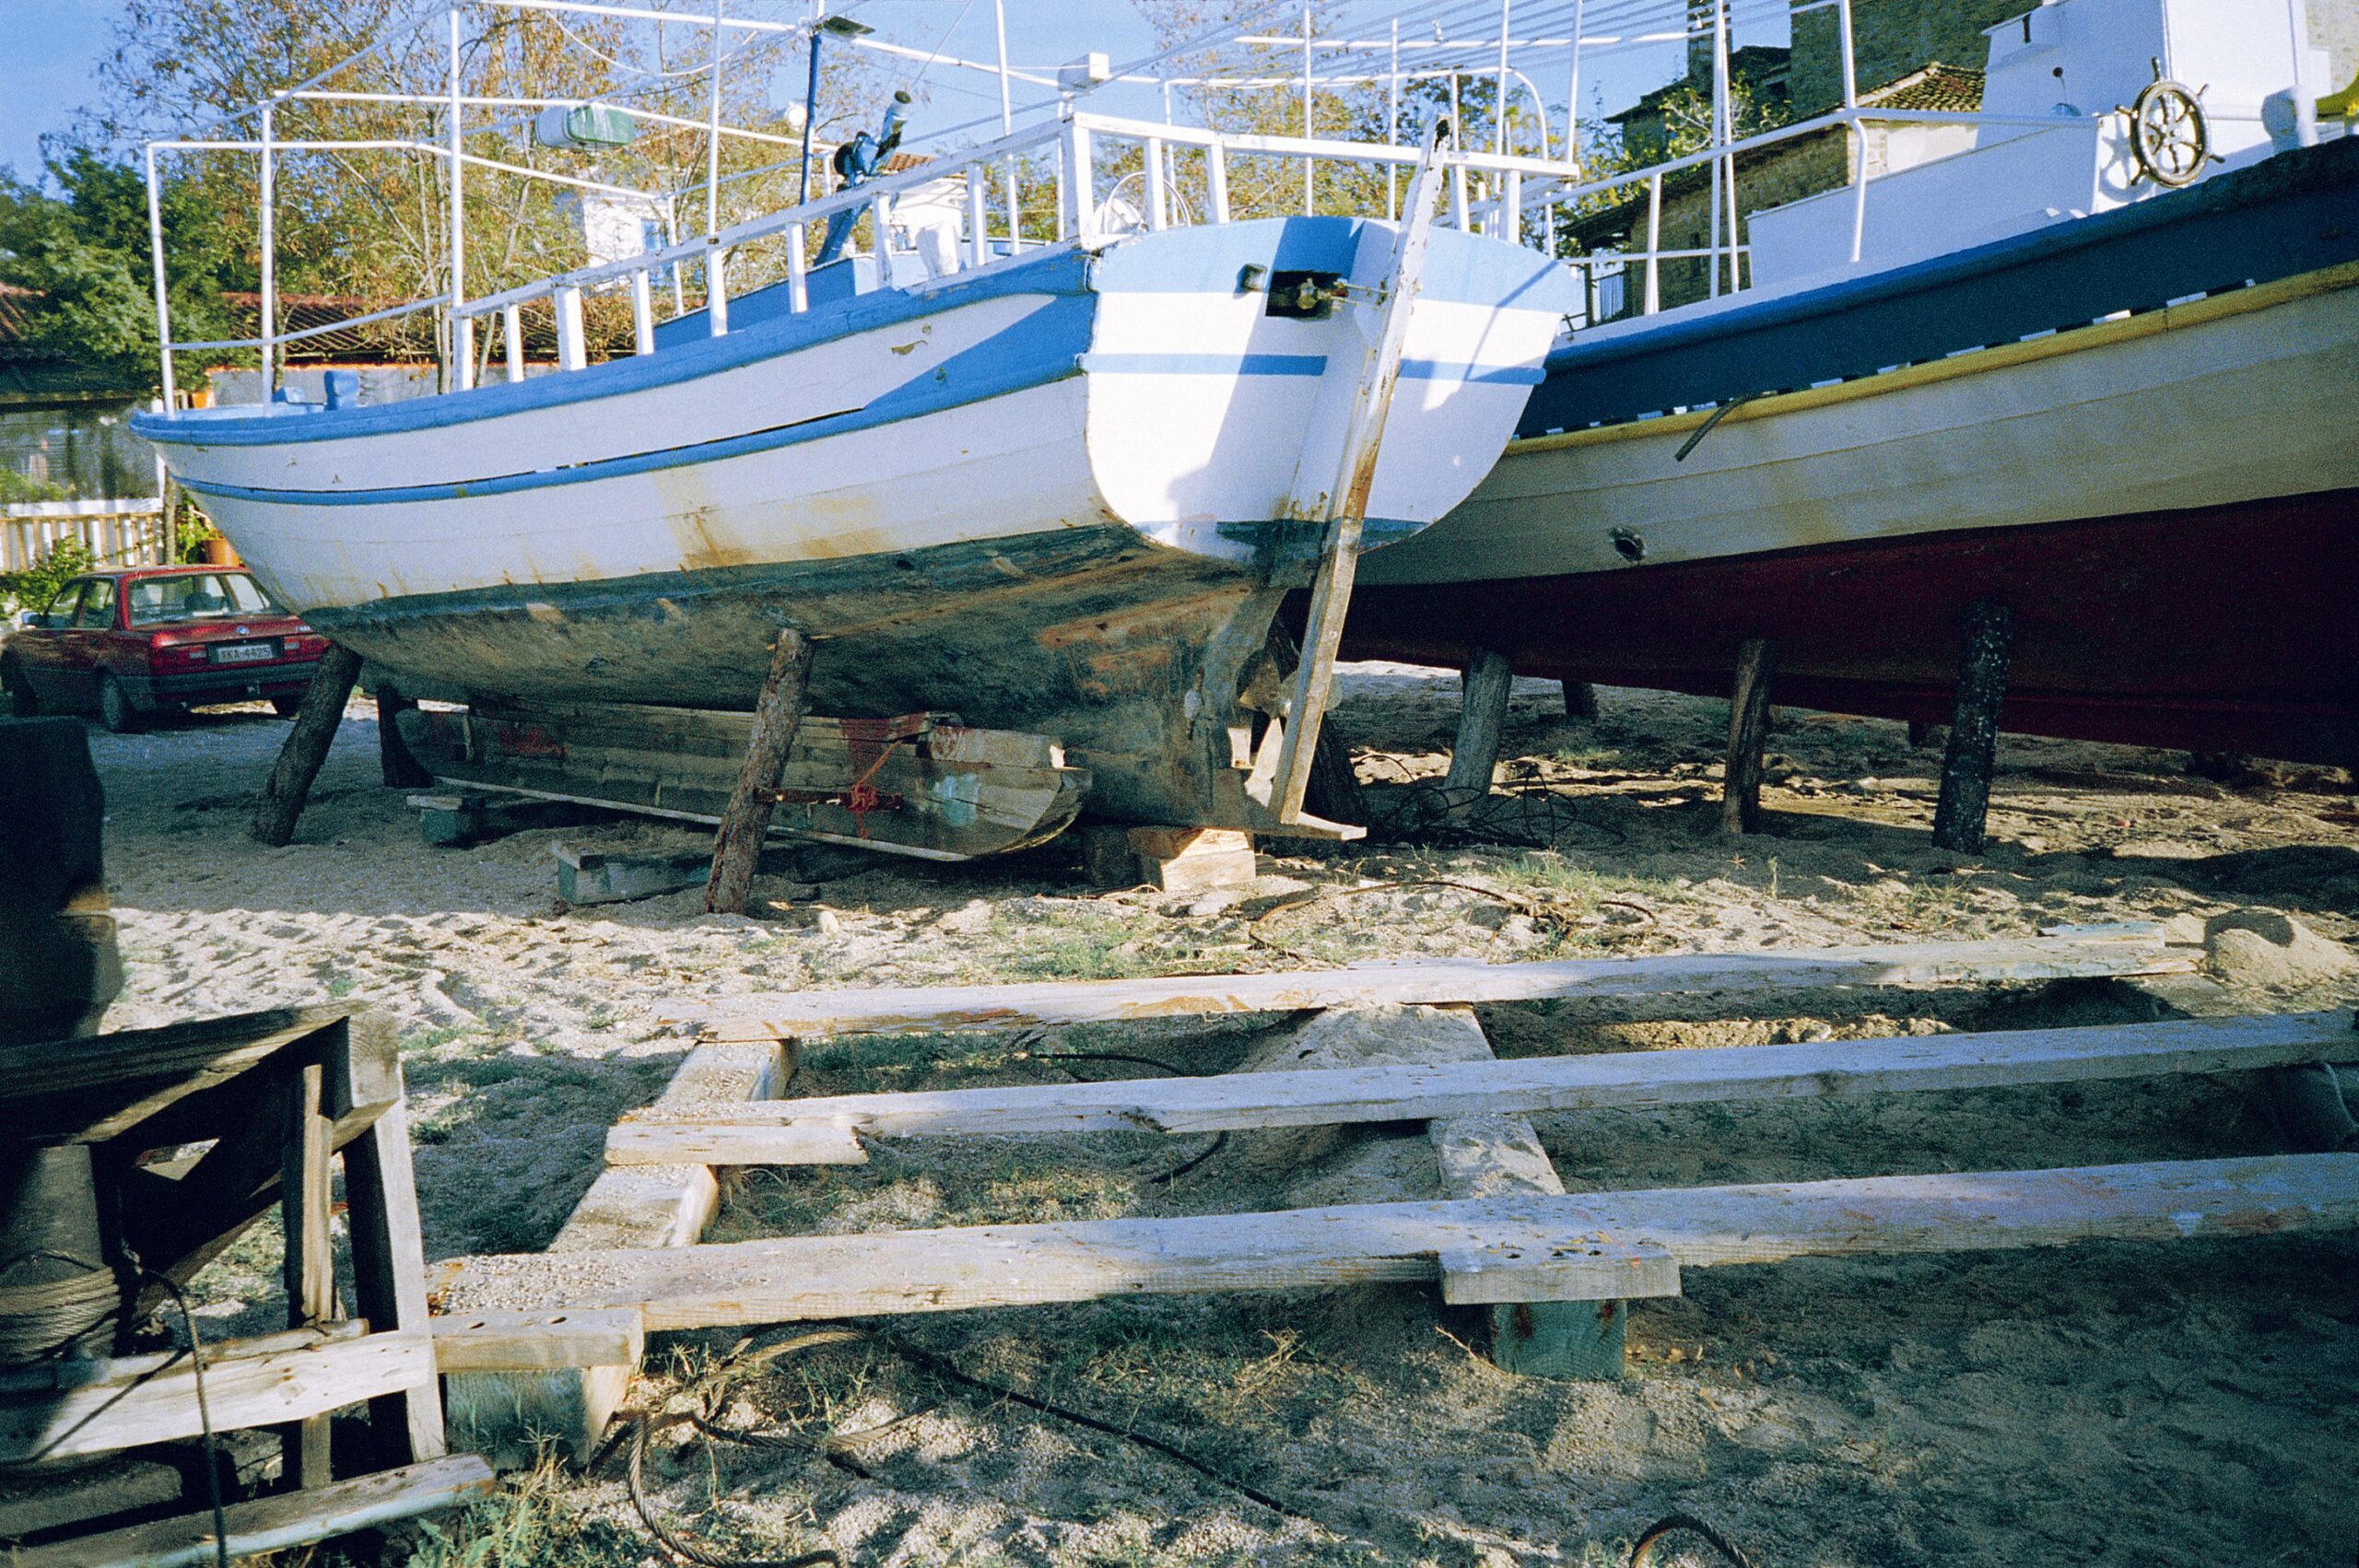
(40,651)
(84,652)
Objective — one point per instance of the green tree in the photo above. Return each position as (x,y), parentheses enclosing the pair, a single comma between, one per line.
(86,251)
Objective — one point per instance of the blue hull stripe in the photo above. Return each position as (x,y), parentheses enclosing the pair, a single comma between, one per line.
(1299,364)
(1485,375)
(923,396)
(1061,277)
(1206,364)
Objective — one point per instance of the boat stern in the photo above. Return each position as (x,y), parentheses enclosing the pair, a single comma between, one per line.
(1224,361)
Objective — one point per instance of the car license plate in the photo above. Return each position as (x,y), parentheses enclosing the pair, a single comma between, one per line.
(243,652)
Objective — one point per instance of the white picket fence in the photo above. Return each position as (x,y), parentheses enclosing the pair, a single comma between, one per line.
(119,533)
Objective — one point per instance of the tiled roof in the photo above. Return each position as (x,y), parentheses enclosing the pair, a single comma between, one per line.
(1949,89)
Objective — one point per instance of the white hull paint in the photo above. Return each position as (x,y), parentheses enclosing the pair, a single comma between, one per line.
(2229,398)
(1064,495)
(1173,429)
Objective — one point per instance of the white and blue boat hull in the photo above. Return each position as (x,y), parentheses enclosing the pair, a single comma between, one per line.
(1060,495)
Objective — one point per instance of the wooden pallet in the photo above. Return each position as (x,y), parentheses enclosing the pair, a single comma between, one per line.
(1506,1235)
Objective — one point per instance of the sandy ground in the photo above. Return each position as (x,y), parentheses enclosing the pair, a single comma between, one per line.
(2110,1404)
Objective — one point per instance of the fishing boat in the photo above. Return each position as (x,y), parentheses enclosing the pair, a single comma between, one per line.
(2093,366)
(1052,483)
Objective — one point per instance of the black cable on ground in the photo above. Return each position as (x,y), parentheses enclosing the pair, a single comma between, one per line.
(1220,1141)
(204,1409)
(941,1366)
(1675,1523)
(683,1546)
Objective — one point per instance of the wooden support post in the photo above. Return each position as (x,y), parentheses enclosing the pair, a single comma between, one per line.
(1486,683)
(1965,801)
(1580,700)
(1756,665)
(388,1251)
(306,747)
(397,764)
(1335,792)
(777,712)
(309,1257)
(1499,1156)
(59,967)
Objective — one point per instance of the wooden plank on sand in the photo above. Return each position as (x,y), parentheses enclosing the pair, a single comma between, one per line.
(142,1400)
(892,1010)
(826,1130)
(507,1414)
(1544,1322)
(943,1271)
(514,1341)
(274,1524)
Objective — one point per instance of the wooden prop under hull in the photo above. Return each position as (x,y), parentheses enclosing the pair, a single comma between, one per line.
(922,784)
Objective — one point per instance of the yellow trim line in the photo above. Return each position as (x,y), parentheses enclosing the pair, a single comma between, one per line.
(1999,356)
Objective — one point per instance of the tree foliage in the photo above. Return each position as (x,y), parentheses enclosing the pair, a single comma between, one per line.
(86,250)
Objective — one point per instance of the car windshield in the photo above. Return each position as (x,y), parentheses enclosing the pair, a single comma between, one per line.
(198,596)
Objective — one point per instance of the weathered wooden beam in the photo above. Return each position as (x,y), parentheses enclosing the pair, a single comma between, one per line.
(308,1257)
(523,1342)
(274,1524)
(737,843)
(1485,686)
(1544,1321)
(388,1252)
(397,764)
(306,746)
(1756,664)
(1964,804)
(103,1085)
(894,1009)
(943,1271)
(141,1399)
(507,1415)
(827,1130)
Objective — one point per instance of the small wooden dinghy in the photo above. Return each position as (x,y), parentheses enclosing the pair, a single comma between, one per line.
(923,784)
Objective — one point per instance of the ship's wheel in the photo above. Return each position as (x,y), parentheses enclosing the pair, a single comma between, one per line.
(2168,135)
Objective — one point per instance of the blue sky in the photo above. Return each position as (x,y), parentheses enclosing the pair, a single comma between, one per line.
(52,46)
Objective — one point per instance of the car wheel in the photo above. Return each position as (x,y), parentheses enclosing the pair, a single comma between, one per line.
(114,707)
(19,690)
(286,707)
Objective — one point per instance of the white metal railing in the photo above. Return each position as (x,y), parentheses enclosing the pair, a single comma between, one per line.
(994,220)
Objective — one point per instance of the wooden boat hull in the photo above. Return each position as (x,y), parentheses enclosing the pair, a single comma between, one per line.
(2166,499)
(1057,495)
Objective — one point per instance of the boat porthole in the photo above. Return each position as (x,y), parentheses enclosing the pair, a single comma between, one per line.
(1632,548)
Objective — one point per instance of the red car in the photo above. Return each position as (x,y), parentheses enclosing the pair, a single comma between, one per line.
(129,643)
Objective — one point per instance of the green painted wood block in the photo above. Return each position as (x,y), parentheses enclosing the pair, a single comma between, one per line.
(1582,1339)
(588,876)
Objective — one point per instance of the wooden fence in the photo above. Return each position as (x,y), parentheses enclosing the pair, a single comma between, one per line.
(119,533)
